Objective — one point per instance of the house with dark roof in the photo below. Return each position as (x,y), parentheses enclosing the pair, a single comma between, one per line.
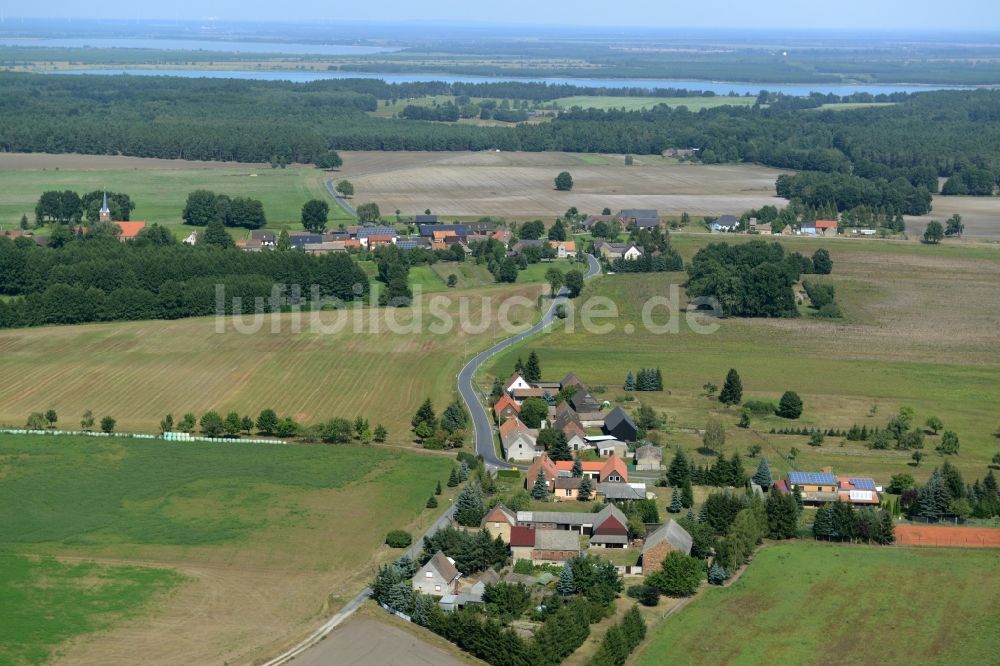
(725,223)
(661,542)
(444,230)
(857,491)
(265,237)
(620,425)
(591,220)
(622,491)
(522,541)
(425,219)
(638,218)
(575,522)
(299,240)
(612,532)
(554,546)
(587,408)
(438,577)
(571,380)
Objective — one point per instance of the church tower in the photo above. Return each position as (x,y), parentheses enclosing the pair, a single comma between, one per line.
(105,212)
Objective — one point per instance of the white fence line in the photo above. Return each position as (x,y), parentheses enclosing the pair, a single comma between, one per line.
(140,435)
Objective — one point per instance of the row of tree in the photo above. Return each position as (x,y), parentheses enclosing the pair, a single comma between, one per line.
(67,207)
(204,207)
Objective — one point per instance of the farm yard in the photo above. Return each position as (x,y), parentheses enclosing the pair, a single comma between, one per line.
(919,331)
(815,603)
(140,371)
(190,552)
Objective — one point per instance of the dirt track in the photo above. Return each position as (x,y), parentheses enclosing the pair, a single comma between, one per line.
(937,535)
(362,641)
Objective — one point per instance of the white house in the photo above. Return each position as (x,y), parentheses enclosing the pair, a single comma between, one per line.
(516,381)
(438,577)
(519,441)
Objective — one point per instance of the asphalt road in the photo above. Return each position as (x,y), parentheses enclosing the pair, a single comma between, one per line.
(322,652)
(341,200)
(466,377)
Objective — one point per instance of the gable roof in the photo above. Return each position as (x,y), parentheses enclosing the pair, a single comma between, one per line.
(522,535)
(513,378)
(616,417)
(608,511)
(529,392)
(130,229)
(672,533)
(573,428)
(826,224)
(544,463)
(512,428)
(812,478)
(570,380)
(622,491)
(727,220)
(557,540)
(583,402)
(614,464)
(442,565)
(503,403)
(500,513)
(649,452)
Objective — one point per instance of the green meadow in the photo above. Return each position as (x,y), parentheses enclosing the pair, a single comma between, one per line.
(812,603)
(639,103)
(160,192)
(46,602)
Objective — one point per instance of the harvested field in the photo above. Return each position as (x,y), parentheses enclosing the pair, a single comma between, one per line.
(362,641)
(981,216)
(940,535)
(519,185)
(140,371)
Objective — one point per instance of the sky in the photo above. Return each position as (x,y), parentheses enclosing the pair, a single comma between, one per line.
(881,15)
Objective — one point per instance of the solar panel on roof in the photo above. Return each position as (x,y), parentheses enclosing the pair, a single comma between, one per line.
(812,478)
(863,484)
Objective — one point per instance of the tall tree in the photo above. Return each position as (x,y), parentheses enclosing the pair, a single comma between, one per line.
(469,507)
(540,490)
(732,390)
(790,405)
(762,477)
(314,215)
(533,370)
(675,502)
(564,181)
(586,489)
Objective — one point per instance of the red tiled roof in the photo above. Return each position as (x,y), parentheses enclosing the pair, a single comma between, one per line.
(521,535)
(503,403)
(614,464)
(130,229)
(826,224)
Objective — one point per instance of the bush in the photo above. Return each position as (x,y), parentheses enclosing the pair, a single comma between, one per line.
(790,406)
(510,474)
(398,539)
(760,407)
(830,311)
(680,576)
(647,595)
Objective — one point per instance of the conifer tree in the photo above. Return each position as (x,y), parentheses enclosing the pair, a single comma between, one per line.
(565,585)
(453,479)
(717,574)
(463,471)
(679,470)
(675,502)
(432,502)
(497,391)
(577,471)
(454,417)
(629,381)
(687,494)
(823,523)
(659,380)
(762,477)
(425,415)
(586,489)
(540,490)
(533,370)
(732,390)
(560,448)
(437,489)
(519,366)
(469,507)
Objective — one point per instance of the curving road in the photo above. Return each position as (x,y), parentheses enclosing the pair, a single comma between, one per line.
(340,199)
(466,377)
(312,650)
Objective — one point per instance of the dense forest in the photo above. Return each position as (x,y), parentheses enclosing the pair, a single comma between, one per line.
(100,279)
(887,157)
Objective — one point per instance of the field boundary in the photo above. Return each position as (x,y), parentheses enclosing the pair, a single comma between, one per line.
(952,537)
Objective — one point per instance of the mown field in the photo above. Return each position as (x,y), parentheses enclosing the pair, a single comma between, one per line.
(520,185)
(190,553)
(919,331)
(379,364)
(812,603)
(639,103)
(159,188)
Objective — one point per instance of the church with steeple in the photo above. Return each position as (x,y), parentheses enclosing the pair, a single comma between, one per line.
(105,212)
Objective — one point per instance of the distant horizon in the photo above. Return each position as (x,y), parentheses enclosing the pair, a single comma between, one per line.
(905,16)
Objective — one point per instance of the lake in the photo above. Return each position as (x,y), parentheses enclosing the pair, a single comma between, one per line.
(196,45)
(720,88)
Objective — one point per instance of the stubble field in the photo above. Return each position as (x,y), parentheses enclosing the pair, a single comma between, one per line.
(139,371)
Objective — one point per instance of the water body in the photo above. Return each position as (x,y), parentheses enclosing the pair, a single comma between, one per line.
(720,88)
(197,45)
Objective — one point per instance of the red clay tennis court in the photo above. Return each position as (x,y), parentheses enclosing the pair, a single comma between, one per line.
(936,535)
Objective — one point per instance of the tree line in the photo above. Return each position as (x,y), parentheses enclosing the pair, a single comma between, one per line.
(155,277)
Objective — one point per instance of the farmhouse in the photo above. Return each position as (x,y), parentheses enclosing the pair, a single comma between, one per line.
(438,577)
(648,458)
(443,231)
(622,491)
(129,230)
(638,218)
(425,219)
(815,487)
(587,408)
(826,227)
(576,436)
(554,546)
(858,491)
(660,543)
(516,381)
(522,542)
(519,441)
(571,380)
(567,487)
(499,521)
(620,425)
(611,251)
(611,532)
(506,408)
(582,522)
(609,447)
(544,464)
(612,470)
(591,220)
(266,238)
(725,223)
(564,248)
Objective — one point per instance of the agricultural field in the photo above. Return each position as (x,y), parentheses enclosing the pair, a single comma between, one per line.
(140,371)
(981,216)
(640,103)
(813,603)
(191,552)
(159,188)
(919,330)
(519,185)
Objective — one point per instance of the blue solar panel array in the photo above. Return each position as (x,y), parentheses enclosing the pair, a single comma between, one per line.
(863,484)
(812,478)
